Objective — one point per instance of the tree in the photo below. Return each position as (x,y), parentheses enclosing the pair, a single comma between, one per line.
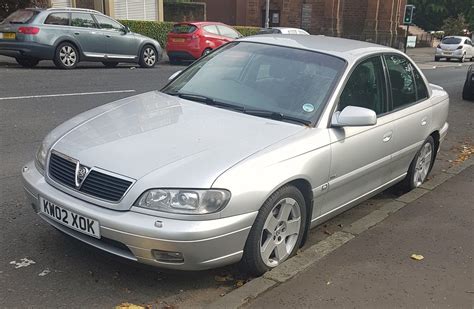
(9,6)
(431,14)
(455,26)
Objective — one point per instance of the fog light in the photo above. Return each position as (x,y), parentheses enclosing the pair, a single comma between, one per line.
(168,256)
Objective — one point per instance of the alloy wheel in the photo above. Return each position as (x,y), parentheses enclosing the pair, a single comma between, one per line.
(68,56)
(280,232)
(423,164)
(149,56)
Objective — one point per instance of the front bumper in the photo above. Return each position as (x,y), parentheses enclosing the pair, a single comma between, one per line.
(133,235)
(30,49)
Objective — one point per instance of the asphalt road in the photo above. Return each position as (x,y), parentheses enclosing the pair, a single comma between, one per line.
(67,273)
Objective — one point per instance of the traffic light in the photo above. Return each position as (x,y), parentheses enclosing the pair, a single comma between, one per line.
(409,12)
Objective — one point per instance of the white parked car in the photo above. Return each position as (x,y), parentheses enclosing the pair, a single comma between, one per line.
(282,30)
(455,47)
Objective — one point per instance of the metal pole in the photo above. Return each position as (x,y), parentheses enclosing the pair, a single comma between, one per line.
(406,40)
(267,15)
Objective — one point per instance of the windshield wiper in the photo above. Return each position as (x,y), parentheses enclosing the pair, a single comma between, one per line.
(275,116)
(208,101)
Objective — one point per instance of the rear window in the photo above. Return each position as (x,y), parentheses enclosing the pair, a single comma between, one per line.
(20,17)
(268,31)
(183,28)
(451,41)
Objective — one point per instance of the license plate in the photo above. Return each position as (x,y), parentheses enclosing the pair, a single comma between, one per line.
(447,53)
(7,35)
(178,40)
(70,219)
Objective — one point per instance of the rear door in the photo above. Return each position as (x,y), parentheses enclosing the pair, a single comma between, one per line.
(85,31)
(360,156)
(411,111)
(119,44)
(212,33)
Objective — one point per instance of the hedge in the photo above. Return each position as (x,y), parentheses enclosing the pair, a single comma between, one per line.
(159,30)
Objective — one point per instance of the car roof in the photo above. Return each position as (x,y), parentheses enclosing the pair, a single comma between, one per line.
(456,37)
(199,23)
(351,50)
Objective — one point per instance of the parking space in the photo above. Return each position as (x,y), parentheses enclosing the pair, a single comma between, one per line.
(40,267)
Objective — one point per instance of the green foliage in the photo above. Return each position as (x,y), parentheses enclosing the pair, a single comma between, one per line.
(9,6)
(430,14)
(454,26)
(159,30)
(247,31)
(152,29)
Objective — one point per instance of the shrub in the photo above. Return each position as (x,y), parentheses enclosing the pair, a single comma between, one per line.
(152,29)
(247,31)
(159,30)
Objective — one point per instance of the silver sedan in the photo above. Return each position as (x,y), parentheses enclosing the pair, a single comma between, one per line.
(241,153)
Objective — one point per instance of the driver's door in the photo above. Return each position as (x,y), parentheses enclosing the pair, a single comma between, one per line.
(360,156)
(119,43)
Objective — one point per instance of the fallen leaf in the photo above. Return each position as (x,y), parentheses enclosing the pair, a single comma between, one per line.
(417,257)
(24,262)
(129,306)
(225,278)
(239,283)
(44,272)
(327,232)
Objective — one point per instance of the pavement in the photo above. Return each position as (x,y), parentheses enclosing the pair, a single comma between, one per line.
(375,269)
(67,273)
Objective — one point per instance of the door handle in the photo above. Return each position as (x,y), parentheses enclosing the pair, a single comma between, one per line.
(76,33)
(424,121)
(387,137)
(107,35)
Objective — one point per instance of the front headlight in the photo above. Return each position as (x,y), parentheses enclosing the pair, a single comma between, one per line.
(184,201)
(40,157)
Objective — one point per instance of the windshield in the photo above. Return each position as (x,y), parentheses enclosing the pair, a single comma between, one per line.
(286,81)
(451,41)
(20,17)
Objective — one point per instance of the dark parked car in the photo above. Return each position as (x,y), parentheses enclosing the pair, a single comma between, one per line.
(468,90)
(69,35)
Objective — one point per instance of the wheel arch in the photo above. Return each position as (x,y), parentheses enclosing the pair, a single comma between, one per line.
(436,138)
(305,188)
(70,41)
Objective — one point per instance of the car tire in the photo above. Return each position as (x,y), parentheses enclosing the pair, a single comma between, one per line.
(148,57)
(27,62)
(467,94)
(206,51)
(277,232)
(110,64)
(66,56)
(174,61)
(421,165)
(436,59)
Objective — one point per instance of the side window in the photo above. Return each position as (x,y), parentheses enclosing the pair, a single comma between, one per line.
(211,29)
(107,23)
(366,87)
(61,19)
(421,90)
(402,82)
(83,20)
(291,31)
(228,32)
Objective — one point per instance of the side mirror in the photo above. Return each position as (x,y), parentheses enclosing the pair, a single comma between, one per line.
(126,29)
(354,116)
(173,76)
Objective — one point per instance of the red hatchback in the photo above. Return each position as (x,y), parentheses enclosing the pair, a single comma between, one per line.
(191,40)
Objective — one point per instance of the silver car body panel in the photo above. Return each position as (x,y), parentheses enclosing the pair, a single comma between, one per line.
(164,141)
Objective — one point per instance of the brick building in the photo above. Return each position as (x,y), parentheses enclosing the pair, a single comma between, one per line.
(376,20)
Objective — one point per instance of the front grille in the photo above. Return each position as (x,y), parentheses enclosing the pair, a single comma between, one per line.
(96,184)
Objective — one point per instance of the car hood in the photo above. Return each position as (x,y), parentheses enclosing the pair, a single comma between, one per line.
(191,143)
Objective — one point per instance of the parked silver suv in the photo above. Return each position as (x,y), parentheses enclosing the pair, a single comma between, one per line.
(70,35)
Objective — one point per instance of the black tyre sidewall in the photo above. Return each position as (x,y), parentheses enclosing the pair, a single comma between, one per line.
(142,62)
(57,60)
(411,172)
(252,260)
